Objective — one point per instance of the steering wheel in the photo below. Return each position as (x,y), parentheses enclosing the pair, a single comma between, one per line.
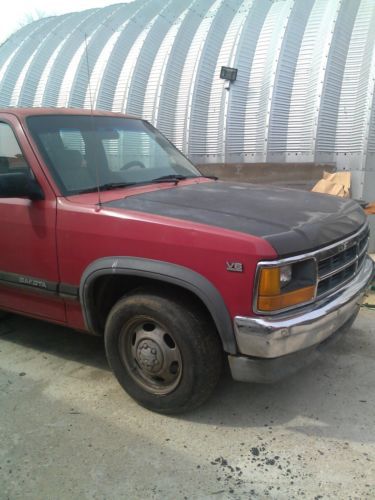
(133,163)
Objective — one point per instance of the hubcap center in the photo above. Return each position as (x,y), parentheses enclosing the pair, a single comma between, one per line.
(149,356)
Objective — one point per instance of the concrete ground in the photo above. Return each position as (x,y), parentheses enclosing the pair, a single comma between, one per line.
(68,431)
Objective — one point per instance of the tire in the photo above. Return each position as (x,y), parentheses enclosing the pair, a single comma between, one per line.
(164,351)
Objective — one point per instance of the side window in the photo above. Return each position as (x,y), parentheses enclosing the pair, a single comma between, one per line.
(11,157)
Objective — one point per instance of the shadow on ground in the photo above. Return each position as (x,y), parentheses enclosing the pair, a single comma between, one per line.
(334,397)
(53,339)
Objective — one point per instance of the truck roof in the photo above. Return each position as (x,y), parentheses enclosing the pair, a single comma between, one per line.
(24,112)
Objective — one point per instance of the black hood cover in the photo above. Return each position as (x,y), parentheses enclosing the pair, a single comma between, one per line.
(292,221)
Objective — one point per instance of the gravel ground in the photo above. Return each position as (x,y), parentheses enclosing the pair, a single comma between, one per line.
(68,431)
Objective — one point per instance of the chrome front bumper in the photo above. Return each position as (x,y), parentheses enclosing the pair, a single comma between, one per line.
(285,337)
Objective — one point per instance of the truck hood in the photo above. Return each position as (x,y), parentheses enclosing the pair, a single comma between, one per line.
(292,221)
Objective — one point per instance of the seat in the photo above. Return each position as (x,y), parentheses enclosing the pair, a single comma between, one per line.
(4,165)
(72,172)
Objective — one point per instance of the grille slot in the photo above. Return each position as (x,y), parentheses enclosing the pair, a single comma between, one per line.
(339,264)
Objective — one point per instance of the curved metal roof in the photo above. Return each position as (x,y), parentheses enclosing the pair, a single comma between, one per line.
(304,89)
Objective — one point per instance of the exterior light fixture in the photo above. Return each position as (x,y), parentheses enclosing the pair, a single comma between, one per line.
(229,74)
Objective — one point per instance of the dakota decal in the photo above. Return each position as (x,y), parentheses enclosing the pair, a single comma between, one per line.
(32,282)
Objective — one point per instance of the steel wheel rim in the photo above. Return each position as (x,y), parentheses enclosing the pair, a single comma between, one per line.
(151,355)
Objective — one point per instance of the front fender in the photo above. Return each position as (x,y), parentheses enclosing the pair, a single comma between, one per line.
(161,271)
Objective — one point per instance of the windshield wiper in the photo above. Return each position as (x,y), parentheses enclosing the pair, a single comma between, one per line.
(210,177)
(107,186)
(176,178)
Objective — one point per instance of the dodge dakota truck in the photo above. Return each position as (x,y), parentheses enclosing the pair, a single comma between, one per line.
(107,228)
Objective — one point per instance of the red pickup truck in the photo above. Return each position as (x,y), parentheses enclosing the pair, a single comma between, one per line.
(108,229)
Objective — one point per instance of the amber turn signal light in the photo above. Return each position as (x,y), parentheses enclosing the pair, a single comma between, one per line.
(269,281)
(281,287)
(284,300)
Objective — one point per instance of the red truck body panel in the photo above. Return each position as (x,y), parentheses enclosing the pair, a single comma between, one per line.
(201,248)
(55,239)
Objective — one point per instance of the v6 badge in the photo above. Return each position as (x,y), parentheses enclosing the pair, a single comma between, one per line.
(235,267)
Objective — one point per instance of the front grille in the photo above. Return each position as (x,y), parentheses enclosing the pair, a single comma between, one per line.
(339,263)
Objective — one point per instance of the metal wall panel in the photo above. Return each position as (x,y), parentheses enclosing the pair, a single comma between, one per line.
(30,75)
(61,70)
(112,18)
(146,57)
(189,76)
(165,108)
(219,95)
(334,74)
(309,77)
(262,79)
(23,50)
(197,132)
(155,83)
(304,89)
(239,92)
(284,80)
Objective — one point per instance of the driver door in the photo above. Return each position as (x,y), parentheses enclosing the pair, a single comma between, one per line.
(28,258)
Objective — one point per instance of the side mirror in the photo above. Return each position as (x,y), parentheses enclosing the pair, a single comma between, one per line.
(20,185)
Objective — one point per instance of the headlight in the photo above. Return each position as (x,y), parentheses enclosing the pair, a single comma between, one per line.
(283,286)
(285,275)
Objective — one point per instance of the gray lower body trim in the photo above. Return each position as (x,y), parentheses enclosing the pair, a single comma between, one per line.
(70,292)
(161,271)
(39,285)
(28,282)
(274,337)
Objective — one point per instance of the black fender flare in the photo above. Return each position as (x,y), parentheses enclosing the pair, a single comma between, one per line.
(161,271)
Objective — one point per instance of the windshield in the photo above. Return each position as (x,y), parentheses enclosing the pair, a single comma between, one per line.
(84,152)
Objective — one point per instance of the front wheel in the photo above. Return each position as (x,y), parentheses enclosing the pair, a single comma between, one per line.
(164,351)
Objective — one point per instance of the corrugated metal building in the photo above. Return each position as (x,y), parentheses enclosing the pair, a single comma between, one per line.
(304,90)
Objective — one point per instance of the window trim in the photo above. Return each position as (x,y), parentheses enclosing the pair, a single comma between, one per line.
(6,122)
